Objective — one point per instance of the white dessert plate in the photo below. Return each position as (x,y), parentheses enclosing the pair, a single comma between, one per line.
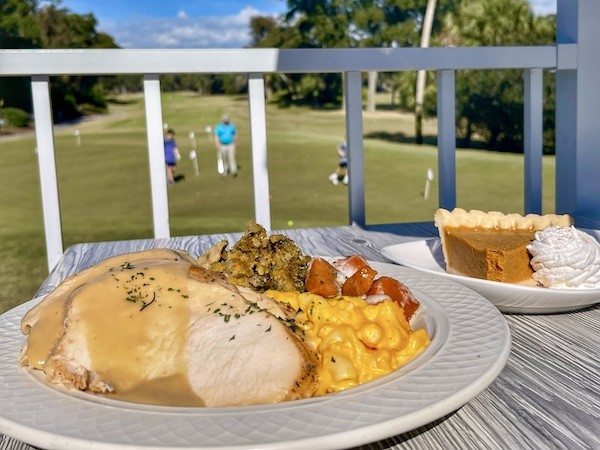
(470,343)
(426,255)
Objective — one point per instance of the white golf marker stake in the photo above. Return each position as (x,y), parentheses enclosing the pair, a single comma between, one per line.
(428,183)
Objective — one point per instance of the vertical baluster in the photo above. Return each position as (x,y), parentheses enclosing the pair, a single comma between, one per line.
(156,156)
(446,116)
(577,111)
(258,134)
(354,138)
(532,139)
(42,109)
(566,111)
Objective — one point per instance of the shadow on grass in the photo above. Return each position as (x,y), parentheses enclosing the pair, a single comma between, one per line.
(403,138)
(393,108)
(400,137)
(122,101)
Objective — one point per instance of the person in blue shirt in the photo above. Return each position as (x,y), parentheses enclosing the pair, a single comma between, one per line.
(226,142)
(171,156)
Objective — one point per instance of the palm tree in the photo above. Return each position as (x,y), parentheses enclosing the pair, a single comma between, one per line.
(489,103)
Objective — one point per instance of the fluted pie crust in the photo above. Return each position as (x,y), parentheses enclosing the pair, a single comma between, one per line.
(491,245)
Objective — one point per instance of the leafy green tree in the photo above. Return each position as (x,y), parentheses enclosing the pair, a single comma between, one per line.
(322,23)
(334,24)
(23,24)
(17,23)
(490,103)
(16,31)
(313,89)
(60,28)
(268,32)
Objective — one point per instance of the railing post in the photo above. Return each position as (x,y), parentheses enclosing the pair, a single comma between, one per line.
(156,156)
(446,116)
(354,141)
(40,90)
(258,135)
(578,112)
(532,139)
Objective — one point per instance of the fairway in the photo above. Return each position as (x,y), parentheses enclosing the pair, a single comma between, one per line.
(105,190)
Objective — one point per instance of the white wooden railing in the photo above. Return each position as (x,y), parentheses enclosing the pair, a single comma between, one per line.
(575,59)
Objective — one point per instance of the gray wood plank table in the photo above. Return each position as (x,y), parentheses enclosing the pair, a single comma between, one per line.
(547,396)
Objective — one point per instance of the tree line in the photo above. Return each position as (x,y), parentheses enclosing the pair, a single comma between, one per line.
(25,25)
(489,103)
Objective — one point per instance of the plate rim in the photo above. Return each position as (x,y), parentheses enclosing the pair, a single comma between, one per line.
(19,425)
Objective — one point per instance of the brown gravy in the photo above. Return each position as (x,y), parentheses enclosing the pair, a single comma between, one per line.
(121,320)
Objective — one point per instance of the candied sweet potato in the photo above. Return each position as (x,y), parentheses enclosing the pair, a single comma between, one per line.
(398,292)
(359,283)
(321,279)
(349,265)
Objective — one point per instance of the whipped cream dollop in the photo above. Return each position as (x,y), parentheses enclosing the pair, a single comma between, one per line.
(565,258)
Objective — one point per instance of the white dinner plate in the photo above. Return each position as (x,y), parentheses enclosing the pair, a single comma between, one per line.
(426,255)
(470,343)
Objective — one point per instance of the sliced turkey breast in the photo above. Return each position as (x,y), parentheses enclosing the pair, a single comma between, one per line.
(154,327)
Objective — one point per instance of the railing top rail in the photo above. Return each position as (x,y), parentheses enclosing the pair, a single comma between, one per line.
(159,61)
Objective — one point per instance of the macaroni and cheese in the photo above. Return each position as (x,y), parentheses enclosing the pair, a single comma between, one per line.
(356,341)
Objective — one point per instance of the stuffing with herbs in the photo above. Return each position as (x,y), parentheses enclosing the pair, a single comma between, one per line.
(260,262)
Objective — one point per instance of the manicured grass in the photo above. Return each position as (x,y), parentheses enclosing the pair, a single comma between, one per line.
(105,194)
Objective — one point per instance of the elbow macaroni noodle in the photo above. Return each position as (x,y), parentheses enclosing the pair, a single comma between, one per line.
(356,341)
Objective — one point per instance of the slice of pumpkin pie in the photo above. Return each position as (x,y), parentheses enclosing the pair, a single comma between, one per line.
(491,245)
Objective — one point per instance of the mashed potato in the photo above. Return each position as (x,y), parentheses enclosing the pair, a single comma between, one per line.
(356,341)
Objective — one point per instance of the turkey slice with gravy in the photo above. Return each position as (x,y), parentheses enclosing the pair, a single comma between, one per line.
(154,327)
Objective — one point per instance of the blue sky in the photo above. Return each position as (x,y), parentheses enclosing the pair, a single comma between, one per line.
(176,23)
(191,23)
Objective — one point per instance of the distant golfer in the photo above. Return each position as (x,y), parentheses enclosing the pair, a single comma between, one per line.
(341,171)
(171,156)
(226,141)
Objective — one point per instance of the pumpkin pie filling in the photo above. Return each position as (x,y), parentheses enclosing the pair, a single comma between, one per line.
(491,246)
(489,254)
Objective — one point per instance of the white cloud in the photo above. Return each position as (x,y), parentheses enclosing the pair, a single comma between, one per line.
(186,32)
(543,7)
